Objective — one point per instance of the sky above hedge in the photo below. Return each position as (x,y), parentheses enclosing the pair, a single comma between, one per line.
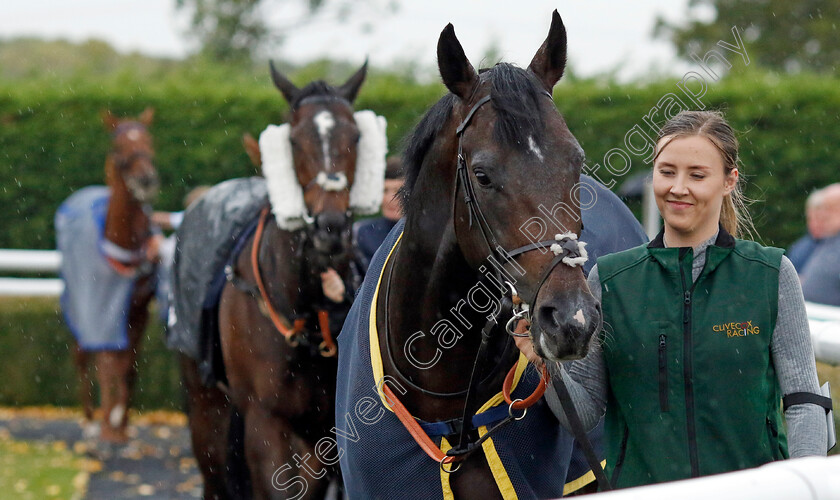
(603,34)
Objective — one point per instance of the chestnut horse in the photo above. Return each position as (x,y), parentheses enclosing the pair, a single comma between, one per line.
(426,336)
(132,183)
(283,388)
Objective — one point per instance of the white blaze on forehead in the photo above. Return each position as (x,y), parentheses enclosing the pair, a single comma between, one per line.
(580,318)
(532,145)
(325,123)
(133,135)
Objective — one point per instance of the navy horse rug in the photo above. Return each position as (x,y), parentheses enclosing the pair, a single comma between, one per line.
(211,235)
(380,459)
(96,298)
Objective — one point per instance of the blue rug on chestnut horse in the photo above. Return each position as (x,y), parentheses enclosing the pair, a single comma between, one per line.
(380,459)
(96,299)
(212,229)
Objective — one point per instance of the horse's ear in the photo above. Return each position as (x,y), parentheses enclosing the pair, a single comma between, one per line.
(282,83)
(109,120)
(550,60)
(457,73)
(351,87)
(252,147)
(147,116)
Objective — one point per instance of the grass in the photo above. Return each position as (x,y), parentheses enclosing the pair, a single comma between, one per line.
(30,470)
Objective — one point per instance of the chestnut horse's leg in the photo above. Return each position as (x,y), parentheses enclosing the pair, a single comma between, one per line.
(138,318)
(109,372)
(81,360)
(209,413)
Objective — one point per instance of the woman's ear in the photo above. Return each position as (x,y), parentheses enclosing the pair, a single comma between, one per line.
(730,182)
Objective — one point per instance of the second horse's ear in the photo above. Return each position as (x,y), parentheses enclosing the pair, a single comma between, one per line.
(549,62)
(109,120)
(457,73)
(351,87)
(283,84)
(147,116)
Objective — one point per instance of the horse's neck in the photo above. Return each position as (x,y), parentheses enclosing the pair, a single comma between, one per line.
(430,278)
(294,285)
(126,223)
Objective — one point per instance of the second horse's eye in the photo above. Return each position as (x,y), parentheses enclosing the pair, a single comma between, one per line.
(482,178)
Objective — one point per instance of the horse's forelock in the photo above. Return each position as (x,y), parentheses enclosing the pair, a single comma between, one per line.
(316,89)
(515,96)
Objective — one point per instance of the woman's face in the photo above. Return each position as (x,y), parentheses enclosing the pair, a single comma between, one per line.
(689,184)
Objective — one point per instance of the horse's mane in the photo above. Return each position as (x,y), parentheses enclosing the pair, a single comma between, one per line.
(316,89)
(514,95)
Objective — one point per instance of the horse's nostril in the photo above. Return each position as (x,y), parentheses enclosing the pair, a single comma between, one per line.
(547,316)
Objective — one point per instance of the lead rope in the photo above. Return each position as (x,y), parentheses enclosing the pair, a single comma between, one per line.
(580,434)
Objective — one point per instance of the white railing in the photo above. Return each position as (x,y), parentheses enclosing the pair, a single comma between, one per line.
(39,261)
(824,320)
(813,478)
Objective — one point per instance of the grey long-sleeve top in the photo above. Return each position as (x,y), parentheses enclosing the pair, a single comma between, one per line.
(793,358)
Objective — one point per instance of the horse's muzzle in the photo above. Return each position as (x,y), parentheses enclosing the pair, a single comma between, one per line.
(144,188)
(562,326)
(331,235)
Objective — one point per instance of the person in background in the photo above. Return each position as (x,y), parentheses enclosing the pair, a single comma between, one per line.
(821,274)
(369,233)
(815,216)
(704,333)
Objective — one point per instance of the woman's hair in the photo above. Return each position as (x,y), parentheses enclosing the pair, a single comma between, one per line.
(734,216)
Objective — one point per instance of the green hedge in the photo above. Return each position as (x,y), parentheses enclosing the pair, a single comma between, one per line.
(36,363)
(52,141)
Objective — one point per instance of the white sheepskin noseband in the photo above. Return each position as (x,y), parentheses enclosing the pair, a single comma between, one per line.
(286,194)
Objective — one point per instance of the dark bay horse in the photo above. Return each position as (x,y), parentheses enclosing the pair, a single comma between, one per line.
(132,184)
(283,386)
(492,173)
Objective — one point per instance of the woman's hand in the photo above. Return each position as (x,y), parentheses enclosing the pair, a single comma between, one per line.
(525,345)
(332,285)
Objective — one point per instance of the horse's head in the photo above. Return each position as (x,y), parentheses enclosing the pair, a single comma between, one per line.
(324,137)
(129,165)
(518,176)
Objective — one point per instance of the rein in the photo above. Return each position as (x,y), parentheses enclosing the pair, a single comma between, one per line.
(327,347)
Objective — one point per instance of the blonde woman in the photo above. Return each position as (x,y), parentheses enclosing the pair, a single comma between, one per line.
(704,333)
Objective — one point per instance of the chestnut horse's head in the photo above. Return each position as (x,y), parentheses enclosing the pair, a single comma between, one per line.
(518,168)
(129,166)
(324,137)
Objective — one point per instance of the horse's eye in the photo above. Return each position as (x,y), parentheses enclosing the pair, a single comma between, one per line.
(357,138)
(482,178)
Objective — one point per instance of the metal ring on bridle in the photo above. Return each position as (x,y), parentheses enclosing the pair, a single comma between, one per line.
(453,468)
(511,408)
(510,326)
